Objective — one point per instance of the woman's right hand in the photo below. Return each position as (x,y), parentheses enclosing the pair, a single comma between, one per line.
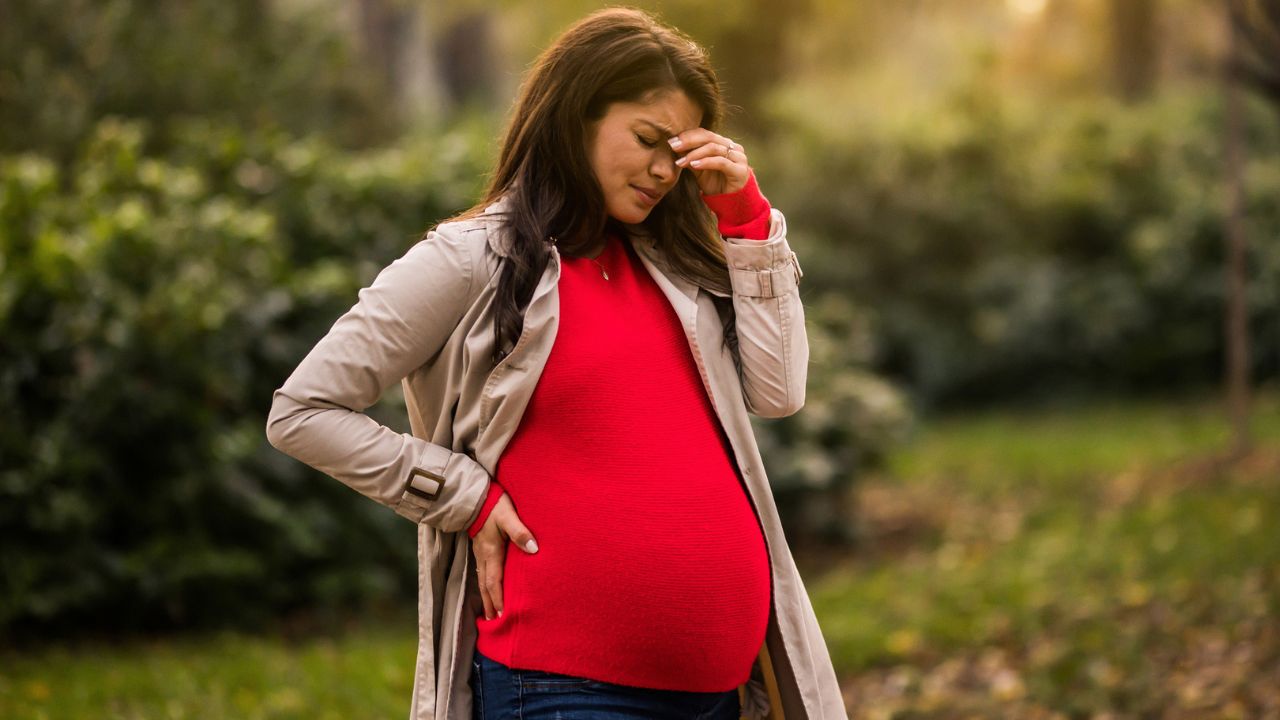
(490,548)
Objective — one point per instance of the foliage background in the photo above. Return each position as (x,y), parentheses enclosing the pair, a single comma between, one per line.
(990,208)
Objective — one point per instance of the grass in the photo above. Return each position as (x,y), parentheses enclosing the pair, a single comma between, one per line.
(365,672)
(1091,561)
(1066,563)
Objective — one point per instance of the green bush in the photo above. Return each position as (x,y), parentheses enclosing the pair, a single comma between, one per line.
(148,307)
(249,64)
(1009,246)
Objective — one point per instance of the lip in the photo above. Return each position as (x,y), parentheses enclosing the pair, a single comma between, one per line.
(646,196)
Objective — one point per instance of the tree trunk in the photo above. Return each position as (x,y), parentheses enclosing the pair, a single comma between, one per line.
(396,39)
(1134,51)
(468,59)
(1237,320)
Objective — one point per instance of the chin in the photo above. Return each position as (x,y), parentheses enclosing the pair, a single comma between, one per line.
(630,216)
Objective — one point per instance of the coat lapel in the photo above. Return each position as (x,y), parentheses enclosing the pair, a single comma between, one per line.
(681,293)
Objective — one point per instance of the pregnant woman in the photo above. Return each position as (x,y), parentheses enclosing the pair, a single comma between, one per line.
(579,354)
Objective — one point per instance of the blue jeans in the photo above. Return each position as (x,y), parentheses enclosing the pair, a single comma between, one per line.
(503,693)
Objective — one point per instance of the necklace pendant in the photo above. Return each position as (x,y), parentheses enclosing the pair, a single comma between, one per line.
(603,272)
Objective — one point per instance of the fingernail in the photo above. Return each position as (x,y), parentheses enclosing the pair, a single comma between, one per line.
(499,613)
(531,546)
(682,161)
(675,142)
(696,163)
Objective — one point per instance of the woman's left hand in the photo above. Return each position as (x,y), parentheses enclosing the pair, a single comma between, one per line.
(718,163)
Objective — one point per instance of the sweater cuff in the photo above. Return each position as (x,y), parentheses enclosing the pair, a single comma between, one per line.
(741,214)
(490,499)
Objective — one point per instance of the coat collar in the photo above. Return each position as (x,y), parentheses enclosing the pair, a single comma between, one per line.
(499,239)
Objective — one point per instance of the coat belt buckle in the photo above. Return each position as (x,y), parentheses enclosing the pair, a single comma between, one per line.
(424,494)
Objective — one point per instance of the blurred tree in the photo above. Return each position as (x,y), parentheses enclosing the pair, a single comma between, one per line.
(1134,47)
(752,44)
(1256,60)
(468,59)
(433,60)
(751,56)
(420,56)
(1253,56)
(1236,316)
(67,63)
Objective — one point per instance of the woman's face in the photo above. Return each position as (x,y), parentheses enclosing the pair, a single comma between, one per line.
(629,152)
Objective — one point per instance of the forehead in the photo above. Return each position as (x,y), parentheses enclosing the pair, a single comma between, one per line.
(669,112)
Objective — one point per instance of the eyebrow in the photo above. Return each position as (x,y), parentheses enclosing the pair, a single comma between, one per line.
(659,128)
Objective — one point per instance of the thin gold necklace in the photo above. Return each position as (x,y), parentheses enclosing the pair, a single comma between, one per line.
(603,272)
(603,250)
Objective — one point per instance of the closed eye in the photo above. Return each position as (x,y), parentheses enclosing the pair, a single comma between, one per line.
(647,143)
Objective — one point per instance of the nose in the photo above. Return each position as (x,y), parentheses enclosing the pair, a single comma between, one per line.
(663,167)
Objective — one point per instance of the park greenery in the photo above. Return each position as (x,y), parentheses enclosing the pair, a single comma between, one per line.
(1034,563)
(1004,248)
(1003,482)
(150,304)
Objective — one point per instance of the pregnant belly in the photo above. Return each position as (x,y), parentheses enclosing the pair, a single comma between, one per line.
(643,587)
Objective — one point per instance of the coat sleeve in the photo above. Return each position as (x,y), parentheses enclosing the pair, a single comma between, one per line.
(772,343)
(400,321)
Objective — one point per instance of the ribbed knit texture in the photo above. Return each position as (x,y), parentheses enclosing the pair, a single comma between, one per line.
(741,214)
(652,570)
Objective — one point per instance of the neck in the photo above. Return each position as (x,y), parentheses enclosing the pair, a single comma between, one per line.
(597,249)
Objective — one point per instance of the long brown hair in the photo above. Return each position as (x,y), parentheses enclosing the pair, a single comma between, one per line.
(613,55)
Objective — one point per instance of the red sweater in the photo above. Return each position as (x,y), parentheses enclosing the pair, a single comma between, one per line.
(651,568)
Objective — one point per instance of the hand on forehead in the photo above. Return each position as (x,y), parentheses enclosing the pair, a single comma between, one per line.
(687,140)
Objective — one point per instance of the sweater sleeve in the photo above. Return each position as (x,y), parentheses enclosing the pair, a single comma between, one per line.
(743,213)
(490,499)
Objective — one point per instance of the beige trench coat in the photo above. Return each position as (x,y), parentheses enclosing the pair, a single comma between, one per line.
(426,320)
